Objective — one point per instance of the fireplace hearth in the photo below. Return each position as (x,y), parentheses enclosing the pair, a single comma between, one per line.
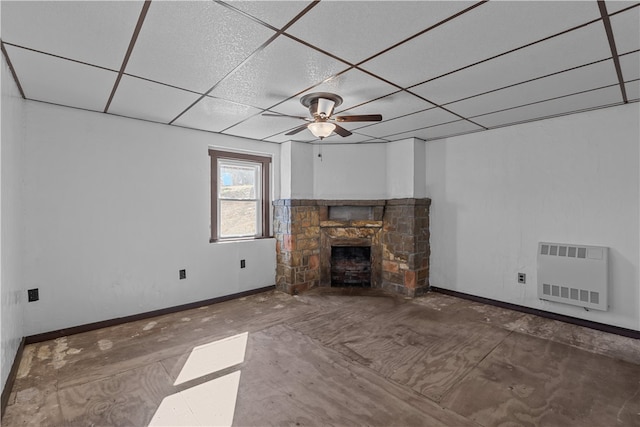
(388,241)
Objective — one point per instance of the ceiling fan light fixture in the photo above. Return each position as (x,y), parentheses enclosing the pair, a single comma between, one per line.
(321,129)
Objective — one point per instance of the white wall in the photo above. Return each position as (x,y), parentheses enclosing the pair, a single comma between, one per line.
(12,293)
(496,194)
(406,169)
(350,171)
(296,170)
(370,171)
(114,207)
(400,168)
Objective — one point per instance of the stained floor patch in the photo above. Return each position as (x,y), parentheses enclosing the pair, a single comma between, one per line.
(105,344)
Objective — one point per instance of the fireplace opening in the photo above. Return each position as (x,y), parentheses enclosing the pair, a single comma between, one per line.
(351,266)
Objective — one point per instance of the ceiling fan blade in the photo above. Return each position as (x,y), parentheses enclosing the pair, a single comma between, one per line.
(360,118)
(296,130)
(341,131)
(285,115)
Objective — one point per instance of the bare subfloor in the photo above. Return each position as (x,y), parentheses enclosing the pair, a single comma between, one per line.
(332,357)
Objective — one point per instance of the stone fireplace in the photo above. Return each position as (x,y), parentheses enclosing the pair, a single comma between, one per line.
(327,242)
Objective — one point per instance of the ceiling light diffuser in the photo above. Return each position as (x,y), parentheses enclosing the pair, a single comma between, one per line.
(321,129)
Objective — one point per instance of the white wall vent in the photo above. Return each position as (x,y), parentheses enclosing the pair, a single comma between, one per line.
(573,274)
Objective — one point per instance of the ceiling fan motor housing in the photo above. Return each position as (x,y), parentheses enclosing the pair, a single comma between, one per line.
(321,104)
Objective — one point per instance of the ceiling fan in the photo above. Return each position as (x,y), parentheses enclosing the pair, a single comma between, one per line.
(321,106)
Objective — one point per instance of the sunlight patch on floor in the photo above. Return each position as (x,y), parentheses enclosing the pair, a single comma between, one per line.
(209,404)
(213,402)
(213,357)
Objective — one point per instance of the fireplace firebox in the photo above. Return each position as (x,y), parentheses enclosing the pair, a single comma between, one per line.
(351,266)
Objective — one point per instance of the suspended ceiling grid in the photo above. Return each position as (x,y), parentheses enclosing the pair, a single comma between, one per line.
(433,69)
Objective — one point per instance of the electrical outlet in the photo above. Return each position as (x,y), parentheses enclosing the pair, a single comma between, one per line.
(33,295)
(242,264)
(183,274)
(522,278)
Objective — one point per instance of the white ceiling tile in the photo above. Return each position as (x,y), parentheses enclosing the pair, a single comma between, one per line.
(193,45)
(488,30)
(261,127)
(281,70)
(420,120)
(626,30)
(581,79)
(569,104)
(630,65)
(633,90)
(64,82)
(582,46)
(303,136)
(95,32)
(614,6)
(354,86)
(275,13)
(440,131)
(374,141)
(354,138)
(214,114)
(150,101)
(359,31)
(392,106)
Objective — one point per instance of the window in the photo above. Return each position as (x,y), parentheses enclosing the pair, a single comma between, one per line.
(240,197)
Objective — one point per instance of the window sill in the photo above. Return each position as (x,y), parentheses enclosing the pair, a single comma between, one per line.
(240,239)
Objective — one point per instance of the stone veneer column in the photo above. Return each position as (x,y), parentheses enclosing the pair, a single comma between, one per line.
(297,232)
(405,250)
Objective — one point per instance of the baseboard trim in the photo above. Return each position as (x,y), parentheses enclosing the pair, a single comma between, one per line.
(630,333)
(8,386)
(46,336)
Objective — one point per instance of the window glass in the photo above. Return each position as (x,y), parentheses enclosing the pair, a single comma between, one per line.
(240,196)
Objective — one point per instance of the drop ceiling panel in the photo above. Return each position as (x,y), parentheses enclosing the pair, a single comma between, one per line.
(440,131)
(592,99)
(582,46)
(260,127)
(359,32)
(626,30)
(143,99)
(420,120)
(97,33)
(614,6)
(354,138)
(214,114)
(374,141)
(581,79)
(281,70)
(301,137)
(210,45)
(488,30)
(274,13)
(633,90)
(193,45)
(354,86)
(392,106)
(630,65)
(65,82)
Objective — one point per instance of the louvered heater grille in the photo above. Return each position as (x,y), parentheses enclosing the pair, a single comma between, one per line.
(573,274)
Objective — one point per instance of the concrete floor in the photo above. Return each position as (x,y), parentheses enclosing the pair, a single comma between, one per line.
(331,356)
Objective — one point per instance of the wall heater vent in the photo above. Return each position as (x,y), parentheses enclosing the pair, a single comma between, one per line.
(573,274)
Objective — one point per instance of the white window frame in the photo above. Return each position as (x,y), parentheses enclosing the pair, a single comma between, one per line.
(263,199)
